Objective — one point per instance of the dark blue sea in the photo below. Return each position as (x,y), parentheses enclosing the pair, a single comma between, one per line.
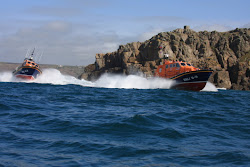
(75,123)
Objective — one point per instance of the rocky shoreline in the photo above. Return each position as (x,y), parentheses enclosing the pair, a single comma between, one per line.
(227,53)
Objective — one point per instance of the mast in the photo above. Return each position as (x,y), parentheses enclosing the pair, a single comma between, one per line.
(32,54)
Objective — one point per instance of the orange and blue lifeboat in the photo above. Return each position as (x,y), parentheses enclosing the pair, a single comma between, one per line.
(187,77)
(29,70)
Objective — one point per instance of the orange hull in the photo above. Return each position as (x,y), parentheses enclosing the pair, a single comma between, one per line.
(26,77)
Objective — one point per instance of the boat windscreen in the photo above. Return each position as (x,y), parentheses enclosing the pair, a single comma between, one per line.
(183,64)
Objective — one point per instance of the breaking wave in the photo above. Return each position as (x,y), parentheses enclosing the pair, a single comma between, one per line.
(55,77)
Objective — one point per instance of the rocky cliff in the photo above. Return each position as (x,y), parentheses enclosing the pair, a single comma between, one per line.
(227,53)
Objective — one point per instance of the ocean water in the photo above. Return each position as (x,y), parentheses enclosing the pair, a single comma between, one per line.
(58,120)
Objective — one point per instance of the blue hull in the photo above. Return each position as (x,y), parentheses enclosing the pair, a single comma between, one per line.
(194,80)
(27,73)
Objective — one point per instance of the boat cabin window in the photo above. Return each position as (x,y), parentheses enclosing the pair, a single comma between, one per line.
(33,64)
(177,65)
(183,64)
(160,70)
(28,62)
(188,64)
(166,66)
(171,65)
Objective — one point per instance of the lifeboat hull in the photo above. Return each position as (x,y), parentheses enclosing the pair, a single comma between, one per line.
(27,73)
(193,86)
(194,80)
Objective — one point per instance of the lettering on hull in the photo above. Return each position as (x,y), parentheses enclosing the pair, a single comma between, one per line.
(190,78)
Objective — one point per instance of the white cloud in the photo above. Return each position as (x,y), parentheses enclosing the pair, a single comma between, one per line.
(154,31)
(213,27)
(147,35)
(60,42)
(110,46)
(162,19)
(246,25)
(53,11)
(58,26)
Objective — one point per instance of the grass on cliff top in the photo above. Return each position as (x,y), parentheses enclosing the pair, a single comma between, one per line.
(245,58)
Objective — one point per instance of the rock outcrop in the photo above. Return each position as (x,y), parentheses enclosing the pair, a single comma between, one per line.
(227,53)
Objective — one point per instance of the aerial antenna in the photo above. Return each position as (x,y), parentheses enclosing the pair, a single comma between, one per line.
(27,54)
(32,54)
(41,55)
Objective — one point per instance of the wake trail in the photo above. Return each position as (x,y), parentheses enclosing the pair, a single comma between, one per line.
(55,77)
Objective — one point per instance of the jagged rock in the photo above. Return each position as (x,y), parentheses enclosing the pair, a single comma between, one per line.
(227,53)
(89,73)
(222,79)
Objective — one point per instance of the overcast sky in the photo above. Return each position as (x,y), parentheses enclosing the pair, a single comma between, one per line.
(71,32)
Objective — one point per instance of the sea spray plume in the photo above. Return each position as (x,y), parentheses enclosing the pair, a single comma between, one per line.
(209,88)
(55,77)
(6,76)
(132,82)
